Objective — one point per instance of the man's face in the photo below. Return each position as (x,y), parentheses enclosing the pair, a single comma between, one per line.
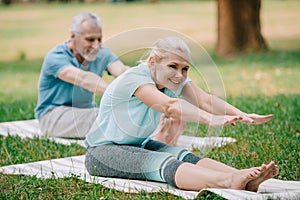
(88,41)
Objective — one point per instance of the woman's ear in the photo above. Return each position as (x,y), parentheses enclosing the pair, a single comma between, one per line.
(151,61)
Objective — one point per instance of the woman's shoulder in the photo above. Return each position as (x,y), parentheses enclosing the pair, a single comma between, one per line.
(137,74)
(141,69)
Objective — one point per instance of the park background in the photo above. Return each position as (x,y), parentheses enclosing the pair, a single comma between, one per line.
(261,82)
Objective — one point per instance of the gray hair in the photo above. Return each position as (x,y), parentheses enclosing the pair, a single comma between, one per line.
(82,17)
(167,45)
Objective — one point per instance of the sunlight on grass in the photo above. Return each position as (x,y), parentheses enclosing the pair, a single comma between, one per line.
(35,29)
(18,86)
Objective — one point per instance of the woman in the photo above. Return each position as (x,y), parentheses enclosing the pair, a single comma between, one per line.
(127,142)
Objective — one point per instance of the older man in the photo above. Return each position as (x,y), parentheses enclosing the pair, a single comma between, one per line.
(70,76)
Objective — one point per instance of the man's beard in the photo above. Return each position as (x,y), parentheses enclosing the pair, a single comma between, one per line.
(90,56)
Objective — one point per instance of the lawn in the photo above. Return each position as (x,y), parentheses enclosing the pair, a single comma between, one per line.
(266,82)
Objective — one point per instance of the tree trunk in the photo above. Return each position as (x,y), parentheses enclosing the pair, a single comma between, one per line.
(239,27)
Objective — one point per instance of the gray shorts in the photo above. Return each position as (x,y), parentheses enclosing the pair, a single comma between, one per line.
(68,122)
(156,162)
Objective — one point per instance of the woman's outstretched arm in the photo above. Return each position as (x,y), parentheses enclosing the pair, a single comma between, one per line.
(214,105)
(180,108)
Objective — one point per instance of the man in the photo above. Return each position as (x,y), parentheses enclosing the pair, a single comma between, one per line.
(70,76)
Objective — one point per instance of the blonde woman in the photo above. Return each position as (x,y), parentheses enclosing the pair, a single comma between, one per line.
(138,112)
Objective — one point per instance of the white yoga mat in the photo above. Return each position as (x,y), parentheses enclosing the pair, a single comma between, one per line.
(66,167)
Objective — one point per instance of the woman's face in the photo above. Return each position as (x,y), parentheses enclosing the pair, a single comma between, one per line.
(170,71)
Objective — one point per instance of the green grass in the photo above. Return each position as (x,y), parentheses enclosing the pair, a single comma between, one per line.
(267,73)
(266,82)
(33,150)
(277,140)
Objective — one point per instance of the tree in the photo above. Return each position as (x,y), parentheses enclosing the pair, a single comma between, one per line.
(6,2)
(239,29)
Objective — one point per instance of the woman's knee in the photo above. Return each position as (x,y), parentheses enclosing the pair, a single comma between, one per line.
(91,162)
(96,160)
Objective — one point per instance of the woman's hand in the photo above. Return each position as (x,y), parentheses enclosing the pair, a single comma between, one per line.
(222,120)
(255,118)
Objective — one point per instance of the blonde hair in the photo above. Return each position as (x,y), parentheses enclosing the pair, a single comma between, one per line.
(164,46)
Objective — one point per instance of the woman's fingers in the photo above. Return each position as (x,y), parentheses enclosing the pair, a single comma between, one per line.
(224,120)
(256,119)
(245,119)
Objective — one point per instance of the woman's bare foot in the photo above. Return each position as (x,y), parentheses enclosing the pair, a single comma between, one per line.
(270,171)
(163,126)
(240,179)
(168,130)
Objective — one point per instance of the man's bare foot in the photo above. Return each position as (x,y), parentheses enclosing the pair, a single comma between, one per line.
(240,179)
(270,171)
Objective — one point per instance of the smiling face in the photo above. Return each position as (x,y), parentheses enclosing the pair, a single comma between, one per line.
(170,71)
(87,41)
